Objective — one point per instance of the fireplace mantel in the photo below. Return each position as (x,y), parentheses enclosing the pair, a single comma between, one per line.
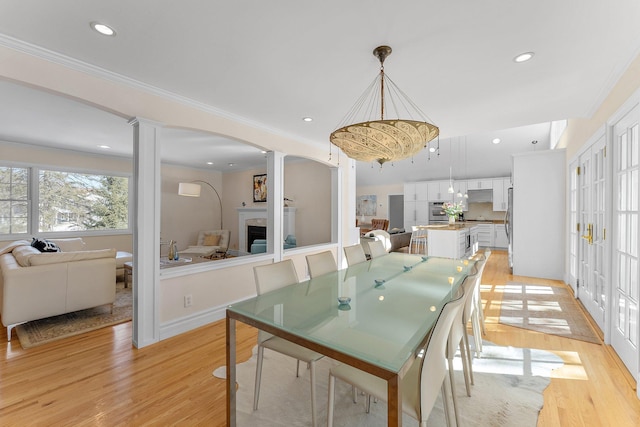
(244,214)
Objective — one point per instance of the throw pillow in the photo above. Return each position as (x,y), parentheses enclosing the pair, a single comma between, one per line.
(43,245)
(211,240)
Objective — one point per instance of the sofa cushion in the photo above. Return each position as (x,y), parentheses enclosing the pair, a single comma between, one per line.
(22,254)
(55,258)
(44,245)
(69,245)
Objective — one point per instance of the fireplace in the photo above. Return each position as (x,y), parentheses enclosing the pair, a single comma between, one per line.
(258,217)
(255,232)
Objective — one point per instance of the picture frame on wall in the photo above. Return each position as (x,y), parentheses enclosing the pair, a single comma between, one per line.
(260,188)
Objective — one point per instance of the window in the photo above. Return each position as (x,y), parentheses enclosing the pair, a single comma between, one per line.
(14,200)
(75,201)
(62,201)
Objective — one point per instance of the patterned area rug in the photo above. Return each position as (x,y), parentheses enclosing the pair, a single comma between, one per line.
(508,392)
(54,328)
(548,309)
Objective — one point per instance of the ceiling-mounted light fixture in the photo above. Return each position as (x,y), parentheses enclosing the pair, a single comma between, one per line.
(103,29)
(524,57)
(386,139)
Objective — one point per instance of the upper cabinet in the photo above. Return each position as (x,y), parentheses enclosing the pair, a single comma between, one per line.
(480,184)
(439,191)
(500,198)
(414,191)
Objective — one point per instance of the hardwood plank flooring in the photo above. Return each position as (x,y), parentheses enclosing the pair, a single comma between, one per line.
(99,379)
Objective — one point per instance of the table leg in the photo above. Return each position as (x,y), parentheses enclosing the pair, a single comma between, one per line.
(394,399)
(231,371)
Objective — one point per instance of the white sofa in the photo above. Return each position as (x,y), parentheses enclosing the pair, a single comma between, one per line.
(35,285)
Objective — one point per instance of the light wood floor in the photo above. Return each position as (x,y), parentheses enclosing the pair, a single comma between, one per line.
(98,379)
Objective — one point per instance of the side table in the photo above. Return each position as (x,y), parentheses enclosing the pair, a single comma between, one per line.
(128,274)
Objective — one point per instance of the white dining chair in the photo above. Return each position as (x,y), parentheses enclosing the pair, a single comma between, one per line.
(354,254)
(457,341)
(478,299)
(420,384)
(475,314)
(270,277)
(376,248)
(321,263)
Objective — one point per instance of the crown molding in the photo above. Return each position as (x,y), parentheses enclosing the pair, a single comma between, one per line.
(84,67)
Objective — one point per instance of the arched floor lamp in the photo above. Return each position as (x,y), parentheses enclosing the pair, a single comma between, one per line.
(192,189)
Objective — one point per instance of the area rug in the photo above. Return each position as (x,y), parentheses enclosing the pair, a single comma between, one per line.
(54,328)
(508,392)
(547,309)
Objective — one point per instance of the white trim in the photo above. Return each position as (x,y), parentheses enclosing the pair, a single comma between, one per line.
(84,67)
(193,321)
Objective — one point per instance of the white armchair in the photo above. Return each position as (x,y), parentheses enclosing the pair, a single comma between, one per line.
(210,242)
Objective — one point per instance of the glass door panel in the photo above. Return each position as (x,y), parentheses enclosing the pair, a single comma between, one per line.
(624,334)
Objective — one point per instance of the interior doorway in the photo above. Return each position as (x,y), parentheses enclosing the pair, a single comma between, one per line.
(396,211)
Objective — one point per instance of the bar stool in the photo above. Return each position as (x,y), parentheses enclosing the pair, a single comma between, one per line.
(418,242)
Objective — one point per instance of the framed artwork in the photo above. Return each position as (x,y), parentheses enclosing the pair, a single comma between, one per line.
(260,188)
(366,205)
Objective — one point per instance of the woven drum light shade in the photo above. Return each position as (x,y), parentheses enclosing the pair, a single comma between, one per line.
(388,139)
(383,140)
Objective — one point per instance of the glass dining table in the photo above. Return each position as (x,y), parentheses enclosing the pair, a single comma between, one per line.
(394,302)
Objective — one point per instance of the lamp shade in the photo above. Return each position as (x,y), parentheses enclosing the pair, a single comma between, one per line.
(189,189)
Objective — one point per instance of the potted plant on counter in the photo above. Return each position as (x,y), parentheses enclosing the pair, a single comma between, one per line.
(452,210)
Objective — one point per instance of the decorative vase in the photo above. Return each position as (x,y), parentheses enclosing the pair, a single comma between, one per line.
(171,255)
(452,219)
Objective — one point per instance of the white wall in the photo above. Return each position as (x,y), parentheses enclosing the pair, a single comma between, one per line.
(127,100)
(183,217)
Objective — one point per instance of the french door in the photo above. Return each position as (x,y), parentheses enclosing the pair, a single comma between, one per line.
(591,245)
(574,231)
(626,191)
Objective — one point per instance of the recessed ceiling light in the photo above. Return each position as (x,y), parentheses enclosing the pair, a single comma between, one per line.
(496,140)
(209,163)
(524,57)
(231,164)
(104,147)
(103,29)
(307,119)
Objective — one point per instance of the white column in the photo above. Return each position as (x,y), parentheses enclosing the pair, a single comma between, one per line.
(275,203)
(146,232)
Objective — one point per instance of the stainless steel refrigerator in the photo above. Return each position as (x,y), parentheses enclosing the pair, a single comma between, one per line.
(508,225)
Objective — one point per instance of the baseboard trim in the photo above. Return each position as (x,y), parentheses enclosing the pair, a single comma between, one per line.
(193,321)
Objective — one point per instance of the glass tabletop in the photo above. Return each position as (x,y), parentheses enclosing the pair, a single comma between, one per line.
(395,301)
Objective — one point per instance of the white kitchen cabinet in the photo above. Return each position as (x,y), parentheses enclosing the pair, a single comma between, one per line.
(439,191)
(409,191)
(500,198)
(480,184)
(416,205)
(422,190)
(447,243)
(500,236)
(485,235)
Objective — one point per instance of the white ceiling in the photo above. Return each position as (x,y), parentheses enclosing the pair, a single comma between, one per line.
(272,63)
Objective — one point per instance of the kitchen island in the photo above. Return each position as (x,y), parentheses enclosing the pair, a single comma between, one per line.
(457,241)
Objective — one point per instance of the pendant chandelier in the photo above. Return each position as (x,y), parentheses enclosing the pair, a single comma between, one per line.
(386,139)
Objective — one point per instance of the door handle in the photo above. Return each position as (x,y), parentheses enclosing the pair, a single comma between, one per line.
(589,235)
